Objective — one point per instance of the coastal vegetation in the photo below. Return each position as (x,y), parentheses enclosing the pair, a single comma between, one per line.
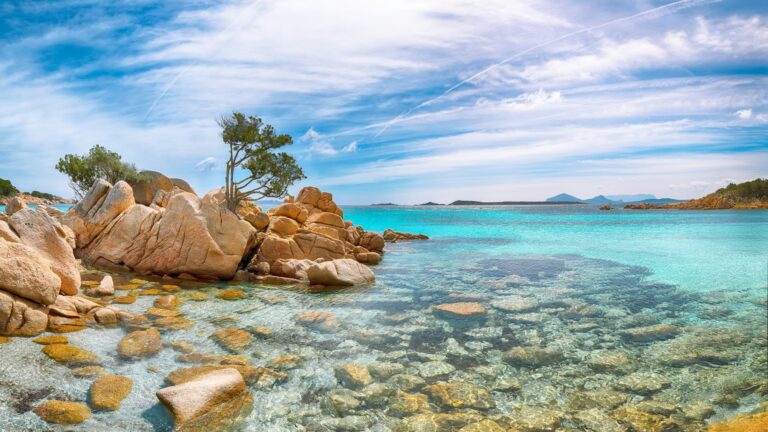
(7,188)
(99,163)
(251,150)
(742,196)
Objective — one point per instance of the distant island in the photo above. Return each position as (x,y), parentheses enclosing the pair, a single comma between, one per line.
(501,203)
(612,200)
(383,204)
(430,203)
(749,195)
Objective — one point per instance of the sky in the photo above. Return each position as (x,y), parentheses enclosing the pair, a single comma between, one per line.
(397,100)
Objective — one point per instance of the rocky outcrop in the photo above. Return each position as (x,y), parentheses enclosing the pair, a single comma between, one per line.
(190,236)
(148,185)
(391,235)
(15,204)
(45,234)
(211,401)
(340,272)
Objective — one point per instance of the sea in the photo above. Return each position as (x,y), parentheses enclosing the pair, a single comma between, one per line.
(585,319)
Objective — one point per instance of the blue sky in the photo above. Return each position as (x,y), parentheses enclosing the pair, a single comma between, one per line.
(397,100)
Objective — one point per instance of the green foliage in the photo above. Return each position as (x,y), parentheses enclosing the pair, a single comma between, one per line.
(99,163)
(251,149)
(43,195)
(7,188)
(748,191)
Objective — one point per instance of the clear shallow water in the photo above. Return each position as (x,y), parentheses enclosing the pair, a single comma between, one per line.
(590,279)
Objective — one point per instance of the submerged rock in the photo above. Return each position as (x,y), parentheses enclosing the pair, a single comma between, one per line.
(69,355)
(644,383)
(743,423)
(319,320)
(461,310)
(141,343)
(211,401)
(353,375)
(406,404)
(63,412)
(532,357)
(340,272)
(108,391)
(437,422)
(455,395)
(649,333)
(232,339)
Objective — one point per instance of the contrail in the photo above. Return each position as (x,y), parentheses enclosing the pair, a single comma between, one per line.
(681,3)
(184,71)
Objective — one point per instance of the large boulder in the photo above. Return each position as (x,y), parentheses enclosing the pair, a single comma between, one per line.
(40,231)
(150,182)
(192,236)
(339,272)
(21,317)
(183,185)
(212,401)
(100,206)
(15,204)
(25,273)
(294,211)
(315,246)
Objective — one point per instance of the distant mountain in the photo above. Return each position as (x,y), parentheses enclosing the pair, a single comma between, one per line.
(270,201)
(383,204)
(430,203)
(564,198)
(601,200)
(502,203)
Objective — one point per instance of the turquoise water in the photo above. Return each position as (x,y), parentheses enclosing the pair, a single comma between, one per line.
(591,321)
(696,250)
(62,207)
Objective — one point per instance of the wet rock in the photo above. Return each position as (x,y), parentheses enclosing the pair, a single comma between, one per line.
(435,368)
(141,343)
(514,303)
(652,406)
(353,375)
(527,318)
(50,340)
(213,401)
(743,423)
(384,371)
(286,362)
(407,404)
(458,394)
(105,288)
(340,272)
(318,320)
(88,371)
(483,426)
(643,383)
(124,300)
(231,294)
(378,394)
(169,301)
(649,333)
(59,324)
(250,374)
(174,323)
(596,420)
(532,357)
(461,310)
(609,362)
(4,339)
(596,399)
(437,422)
(532,418)
(261,331)
(353,423)
(63,412)
(108,392)
(407,382)
(69,355)
(25,273)
(698,410)
(154,312)
(640,421)
(343,402)
(232,339)
(507,384)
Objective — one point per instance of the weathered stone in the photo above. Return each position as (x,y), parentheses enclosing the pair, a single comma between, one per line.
(514,303)
(340,272)
(649,333)
(213,401)
(644,383)
(105,288)
(167,302)
(69,355)
(231,294)
(141,343)
(51,340)
(319,320)
(609,361)
(461,310)
(437,422)
(406,404)
(174,323)
(63,412)
(532,357)
(21,317)
(14,205)
(455,395)
(757,422)
(233,339)
(108,392)
(26,273)
(45,234)
(283,225)
(353,375)
(145,189)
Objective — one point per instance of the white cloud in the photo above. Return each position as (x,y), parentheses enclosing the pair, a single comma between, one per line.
(744,114)
(350,148)
(207,164)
